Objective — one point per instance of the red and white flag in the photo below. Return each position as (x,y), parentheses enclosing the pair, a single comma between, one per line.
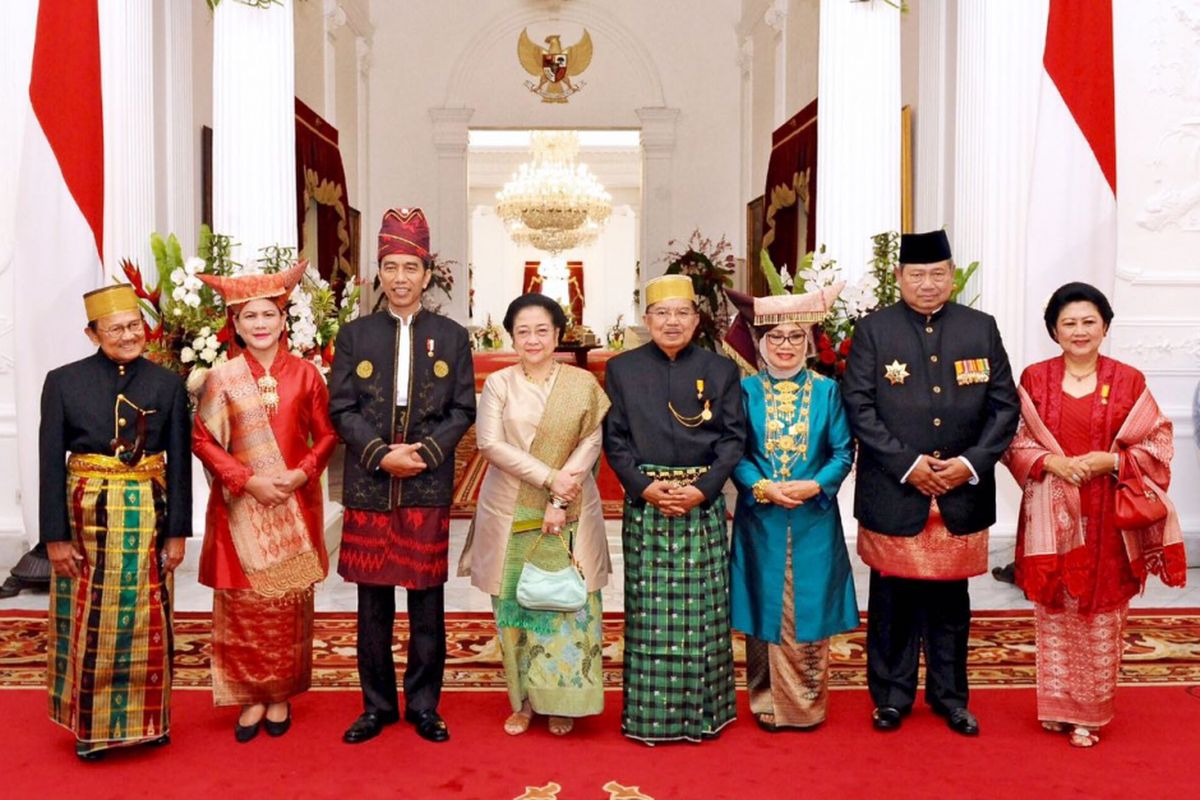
(1072,228)
(60,214)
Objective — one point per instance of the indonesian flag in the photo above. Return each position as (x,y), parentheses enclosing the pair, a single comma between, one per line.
(60,216)
(1072,228)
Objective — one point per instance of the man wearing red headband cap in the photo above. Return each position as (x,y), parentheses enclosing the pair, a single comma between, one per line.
(402,393)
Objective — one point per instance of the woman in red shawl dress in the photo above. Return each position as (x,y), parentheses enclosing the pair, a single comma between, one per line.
(1087,421)
(264,434)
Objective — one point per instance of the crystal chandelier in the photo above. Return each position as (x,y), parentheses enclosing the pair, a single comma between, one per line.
(552,203)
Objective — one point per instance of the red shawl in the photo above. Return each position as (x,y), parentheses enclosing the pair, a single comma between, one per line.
(1051,551)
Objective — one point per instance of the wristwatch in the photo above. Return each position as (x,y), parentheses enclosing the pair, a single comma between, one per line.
(559,503)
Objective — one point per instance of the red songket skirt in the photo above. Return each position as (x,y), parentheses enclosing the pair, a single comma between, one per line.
(407,546)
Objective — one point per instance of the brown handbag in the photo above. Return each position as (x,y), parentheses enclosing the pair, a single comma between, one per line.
(1137,505)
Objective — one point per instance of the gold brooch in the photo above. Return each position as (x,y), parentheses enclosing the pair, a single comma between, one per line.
(895,372)
(441,368)
(365,369)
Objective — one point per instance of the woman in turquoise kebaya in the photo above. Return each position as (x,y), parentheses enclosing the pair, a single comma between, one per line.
(791,582)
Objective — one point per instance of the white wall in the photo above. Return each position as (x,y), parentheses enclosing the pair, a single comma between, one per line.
(461,54)
(1157,298)
(608,269)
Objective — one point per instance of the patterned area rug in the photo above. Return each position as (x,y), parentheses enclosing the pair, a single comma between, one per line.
(1161,648)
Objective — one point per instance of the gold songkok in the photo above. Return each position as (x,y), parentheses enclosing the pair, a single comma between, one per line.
(110,300)
(669,287)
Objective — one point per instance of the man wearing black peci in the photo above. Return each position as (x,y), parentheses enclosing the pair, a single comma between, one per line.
(931,399)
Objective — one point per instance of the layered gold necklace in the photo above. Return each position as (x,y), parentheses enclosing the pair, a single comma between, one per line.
(788,404)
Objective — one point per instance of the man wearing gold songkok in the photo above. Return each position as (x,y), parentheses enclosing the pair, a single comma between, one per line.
(115,507)
(931,399)
(673,436)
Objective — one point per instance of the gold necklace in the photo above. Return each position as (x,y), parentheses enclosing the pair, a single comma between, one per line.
(1082,377)
(549,375)
(787,423)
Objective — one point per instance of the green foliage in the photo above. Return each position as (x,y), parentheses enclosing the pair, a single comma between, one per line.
(774,281)
(961,276)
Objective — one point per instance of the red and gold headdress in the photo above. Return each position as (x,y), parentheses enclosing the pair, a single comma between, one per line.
(404,231)
(238,289)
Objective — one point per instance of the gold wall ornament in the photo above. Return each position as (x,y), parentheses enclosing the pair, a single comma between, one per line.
(554,66)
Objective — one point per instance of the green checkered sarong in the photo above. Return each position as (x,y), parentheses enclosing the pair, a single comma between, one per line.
(678,680)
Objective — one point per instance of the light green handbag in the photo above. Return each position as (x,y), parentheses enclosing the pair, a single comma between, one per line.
(551,590)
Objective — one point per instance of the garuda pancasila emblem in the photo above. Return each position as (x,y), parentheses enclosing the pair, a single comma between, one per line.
(554,66)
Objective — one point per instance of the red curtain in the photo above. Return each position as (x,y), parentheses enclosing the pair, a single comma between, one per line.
(321,177)
(532,282)
(791,184)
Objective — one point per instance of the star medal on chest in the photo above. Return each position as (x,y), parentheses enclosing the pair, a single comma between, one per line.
(694,420)
(788,404)
(895,372)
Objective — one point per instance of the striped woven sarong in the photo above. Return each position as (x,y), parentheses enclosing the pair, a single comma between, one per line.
(678,681)
(109,645)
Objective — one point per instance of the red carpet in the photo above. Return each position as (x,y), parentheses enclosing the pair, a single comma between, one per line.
(1149,751)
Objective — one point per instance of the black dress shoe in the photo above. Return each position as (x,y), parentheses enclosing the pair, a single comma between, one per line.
(886,718)
(278,728)
(368,725)
(244,733)
(962,721)
(161,741)
(429,724)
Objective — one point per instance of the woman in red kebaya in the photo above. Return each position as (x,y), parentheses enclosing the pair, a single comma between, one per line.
(263,433)
(1088,423)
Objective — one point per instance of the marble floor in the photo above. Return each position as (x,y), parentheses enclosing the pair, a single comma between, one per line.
(337,595)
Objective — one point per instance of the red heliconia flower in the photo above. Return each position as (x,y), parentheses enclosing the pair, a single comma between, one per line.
(225,335)
(841,367)
(824,343)
(826,356)
(327,354)
(844,348)
(134,276)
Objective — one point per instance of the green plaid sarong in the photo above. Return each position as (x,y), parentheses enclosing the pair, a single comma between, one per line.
(678,680)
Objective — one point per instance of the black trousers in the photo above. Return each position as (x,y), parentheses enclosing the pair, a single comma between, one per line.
(904,616)
(426,649)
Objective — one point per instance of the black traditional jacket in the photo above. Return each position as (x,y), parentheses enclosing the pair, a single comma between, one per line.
(80,414)
(937,385)
(362,403)
(640,428)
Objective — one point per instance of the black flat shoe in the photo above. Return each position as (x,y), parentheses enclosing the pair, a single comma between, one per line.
(962,721)
(278,728)
(886,718)
(430,726)
(368,725)
(161,741)
(90,756)
(244,733)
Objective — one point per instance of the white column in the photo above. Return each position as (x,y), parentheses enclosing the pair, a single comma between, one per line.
(362,52)
(127,85)
(934,117)
(254,133)
(858,129)
(746,65)
(775,18)
(999,65)
(335,17)
(658,153)
(449,224)
(179,189)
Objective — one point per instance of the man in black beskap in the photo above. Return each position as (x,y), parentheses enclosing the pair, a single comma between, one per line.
(931,399)
(401,395)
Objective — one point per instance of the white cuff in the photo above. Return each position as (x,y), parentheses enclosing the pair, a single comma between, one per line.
(904,478)
(974,475)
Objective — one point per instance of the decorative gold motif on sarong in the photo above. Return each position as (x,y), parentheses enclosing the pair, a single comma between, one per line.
(677,476)
(94,465)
